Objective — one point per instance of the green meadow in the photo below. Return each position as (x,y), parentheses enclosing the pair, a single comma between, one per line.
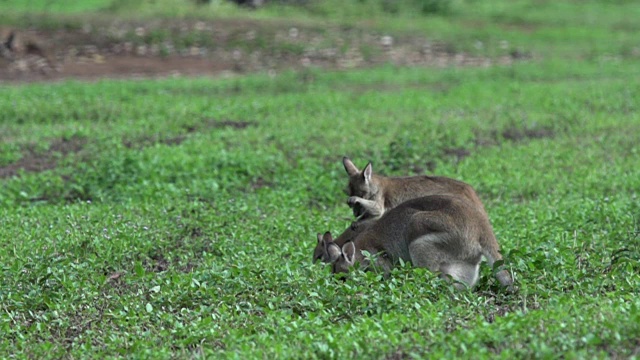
(176,218)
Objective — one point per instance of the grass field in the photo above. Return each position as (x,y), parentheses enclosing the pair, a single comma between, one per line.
(177,217)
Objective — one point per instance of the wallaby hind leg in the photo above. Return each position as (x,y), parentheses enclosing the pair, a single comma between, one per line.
(426,251)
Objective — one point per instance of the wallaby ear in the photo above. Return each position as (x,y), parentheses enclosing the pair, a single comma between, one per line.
(319,238)
(350,166)
(367,172)
(327,237)
(332,251)
(349,252)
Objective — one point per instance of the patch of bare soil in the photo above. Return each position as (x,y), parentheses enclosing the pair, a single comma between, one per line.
(230,123)
(175,140)
(513,134)
(399,354)
(260,183)
(157,263)
(34,161)
(517,134)
(120,49)
(458,153)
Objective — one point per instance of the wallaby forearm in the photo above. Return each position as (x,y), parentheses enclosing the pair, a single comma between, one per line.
(371,207)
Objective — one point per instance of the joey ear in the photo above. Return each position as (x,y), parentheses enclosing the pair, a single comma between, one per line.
(332,252)
(367,172)
(349,252)
(350,166)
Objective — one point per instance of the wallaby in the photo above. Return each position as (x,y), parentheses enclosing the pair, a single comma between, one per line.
(440,232)
(372,194)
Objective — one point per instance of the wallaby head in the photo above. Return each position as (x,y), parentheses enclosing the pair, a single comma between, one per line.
(363,190)
(326,250)
(360,182)
(321,251)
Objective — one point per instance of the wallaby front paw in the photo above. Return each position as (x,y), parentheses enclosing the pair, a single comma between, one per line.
(352,201)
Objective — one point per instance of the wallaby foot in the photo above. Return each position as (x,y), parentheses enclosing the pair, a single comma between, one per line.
(505,279)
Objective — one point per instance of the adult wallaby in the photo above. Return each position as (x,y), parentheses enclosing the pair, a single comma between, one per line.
(440,232)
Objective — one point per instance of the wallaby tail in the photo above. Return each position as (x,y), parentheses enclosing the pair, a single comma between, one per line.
(490,250)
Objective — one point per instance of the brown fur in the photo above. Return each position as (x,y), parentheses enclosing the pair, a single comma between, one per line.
(372,195)
(440,232)
(320,251)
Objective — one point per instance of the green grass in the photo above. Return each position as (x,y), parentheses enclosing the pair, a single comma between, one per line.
(53,6)
(174,233)
(177,217)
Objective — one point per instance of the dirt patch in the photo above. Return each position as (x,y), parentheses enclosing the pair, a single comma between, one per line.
(157,263)
(187,268)
(175,140)
(188,246)
(513,134)
(114,277)
(34,161)
(459,153)
(230,123)
(398,355)
(260,183)
(118,66)
(499,311)
(146,141)
(518,134)
(123,49)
